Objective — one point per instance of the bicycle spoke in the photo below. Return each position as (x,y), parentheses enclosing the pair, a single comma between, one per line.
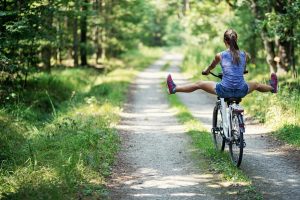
(237,142)
(217,131)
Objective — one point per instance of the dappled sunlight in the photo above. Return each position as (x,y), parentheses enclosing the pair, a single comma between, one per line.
(150,128)
(141,115)
(187,194)
(164,182)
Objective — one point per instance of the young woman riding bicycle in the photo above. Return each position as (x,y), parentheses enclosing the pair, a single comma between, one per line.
(233,63)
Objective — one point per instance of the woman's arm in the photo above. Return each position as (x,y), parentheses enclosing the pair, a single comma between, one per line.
(213,64)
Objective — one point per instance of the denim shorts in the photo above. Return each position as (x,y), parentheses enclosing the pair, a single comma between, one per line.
(224,92)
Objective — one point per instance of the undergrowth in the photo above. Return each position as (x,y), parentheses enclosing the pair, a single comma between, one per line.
(58,139)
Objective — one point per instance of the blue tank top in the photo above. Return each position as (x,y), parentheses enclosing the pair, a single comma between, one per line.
(233,74)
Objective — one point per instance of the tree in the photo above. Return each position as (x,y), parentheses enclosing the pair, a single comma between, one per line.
(83,32)
(276,22)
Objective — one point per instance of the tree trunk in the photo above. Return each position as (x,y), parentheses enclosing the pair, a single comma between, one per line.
(75,35)
(98,49)
(46,57)
(75,41)
(60,40)
(185,6)
(269,45)
(284,53)
(83,34)
(102,50)
(294,71)
(47,49)
(97,7)
(284,46)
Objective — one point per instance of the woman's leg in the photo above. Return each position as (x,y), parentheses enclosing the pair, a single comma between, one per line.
(208,86)
(259,87)
(273,87)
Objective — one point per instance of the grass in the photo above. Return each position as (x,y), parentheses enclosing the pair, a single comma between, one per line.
(218,162)
(58,138)
(280,111)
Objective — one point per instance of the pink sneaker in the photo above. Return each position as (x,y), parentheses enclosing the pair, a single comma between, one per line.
(171,85)
(274,83)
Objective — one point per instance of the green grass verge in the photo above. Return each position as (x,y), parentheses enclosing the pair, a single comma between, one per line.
(218,162)
(280,111)
(58,138)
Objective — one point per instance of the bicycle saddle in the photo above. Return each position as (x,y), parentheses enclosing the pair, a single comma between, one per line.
(233,99)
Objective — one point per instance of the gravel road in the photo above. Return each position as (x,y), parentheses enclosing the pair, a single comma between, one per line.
(157,160)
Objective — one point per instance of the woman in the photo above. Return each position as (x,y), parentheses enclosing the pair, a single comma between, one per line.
(233,63)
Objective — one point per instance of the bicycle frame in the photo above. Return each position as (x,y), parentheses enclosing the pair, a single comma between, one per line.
(226,117)
(226,113)
(232,128)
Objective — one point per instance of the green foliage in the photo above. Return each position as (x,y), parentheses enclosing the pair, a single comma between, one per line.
(36,35)
(58,138)
(280,24)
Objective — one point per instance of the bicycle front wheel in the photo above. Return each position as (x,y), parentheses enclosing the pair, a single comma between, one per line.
(236,144)
(217,130)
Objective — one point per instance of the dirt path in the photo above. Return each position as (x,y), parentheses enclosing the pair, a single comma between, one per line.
(273,167)
(156,160)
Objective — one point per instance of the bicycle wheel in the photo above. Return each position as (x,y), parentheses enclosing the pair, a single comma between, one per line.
(217,130)
(236,145)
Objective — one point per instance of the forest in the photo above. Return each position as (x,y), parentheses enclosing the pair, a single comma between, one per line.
(39,35)
(66,66)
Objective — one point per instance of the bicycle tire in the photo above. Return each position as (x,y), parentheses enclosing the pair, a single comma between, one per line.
(217,129)
(236,145)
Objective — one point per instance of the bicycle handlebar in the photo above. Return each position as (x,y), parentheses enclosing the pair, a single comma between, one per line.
(220,75)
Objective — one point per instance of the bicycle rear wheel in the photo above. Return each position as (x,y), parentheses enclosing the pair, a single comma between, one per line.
(217,130)
(236,145)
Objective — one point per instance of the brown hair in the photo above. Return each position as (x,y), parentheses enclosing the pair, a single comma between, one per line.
(230,37)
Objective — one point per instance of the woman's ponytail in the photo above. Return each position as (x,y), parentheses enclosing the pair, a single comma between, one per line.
(230,37)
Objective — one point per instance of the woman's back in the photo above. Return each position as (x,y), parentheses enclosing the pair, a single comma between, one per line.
(233,74)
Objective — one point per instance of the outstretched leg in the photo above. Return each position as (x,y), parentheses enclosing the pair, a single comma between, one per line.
(208,86)
(273,87)
(259,87)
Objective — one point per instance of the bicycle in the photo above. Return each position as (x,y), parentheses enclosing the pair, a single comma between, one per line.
(228,127)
